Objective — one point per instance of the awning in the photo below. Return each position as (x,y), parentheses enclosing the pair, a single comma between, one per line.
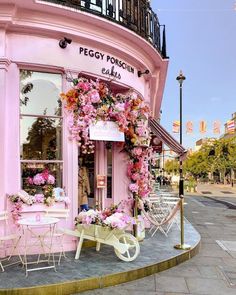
(165,136)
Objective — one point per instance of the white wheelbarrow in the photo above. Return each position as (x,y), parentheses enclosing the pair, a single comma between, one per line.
(125,245)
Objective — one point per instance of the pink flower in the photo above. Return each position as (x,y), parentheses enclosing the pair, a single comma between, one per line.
(135,176)
(39,198)
(141,131)
(83,85)
(38,179)
(30,180)
(51,179)
(94,95)
(45,174)
(120,107)
(137,151)
(133,187)
(88,108)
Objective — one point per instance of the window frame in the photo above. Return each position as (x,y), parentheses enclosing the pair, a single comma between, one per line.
(61,117)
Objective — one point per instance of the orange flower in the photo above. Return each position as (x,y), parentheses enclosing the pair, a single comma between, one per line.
(71,98)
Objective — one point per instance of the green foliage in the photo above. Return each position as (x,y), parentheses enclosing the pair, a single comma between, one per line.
(172,166)
(214,156)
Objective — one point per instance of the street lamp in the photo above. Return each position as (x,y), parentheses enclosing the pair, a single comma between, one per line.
(181,246)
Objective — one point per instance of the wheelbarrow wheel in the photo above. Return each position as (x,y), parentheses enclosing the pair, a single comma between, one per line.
(133,247)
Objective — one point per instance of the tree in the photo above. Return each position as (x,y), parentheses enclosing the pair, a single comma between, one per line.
(214,157)
(41,140)
(172,166)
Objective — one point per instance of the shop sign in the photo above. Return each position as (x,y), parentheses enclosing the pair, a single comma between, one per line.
(156,144)
(101,181)
(110,60)
(106,130)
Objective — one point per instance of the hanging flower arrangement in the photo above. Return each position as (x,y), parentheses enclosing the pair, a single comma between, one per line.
(90,101)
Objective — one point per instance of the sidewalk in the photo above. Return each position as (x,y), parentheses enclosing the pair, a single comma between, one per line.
(211,272)
(100,269)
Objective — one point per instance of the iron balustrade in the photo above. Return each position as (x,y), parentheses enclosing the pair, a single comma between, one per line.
(136,15)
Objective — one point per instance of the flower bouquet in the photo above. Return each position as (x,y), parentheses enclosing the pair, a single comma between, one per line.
(41,187)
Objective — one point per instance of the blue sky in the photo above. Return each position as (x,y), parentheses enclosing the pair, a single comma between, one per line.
(201,41)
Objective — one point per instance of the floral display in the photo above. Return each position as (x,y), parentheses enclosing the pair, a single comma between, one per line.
(89,101)
(41,186)
(110,217)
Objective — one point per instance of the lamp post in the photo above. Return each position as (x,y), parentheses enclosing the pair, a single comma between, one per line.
(182,245)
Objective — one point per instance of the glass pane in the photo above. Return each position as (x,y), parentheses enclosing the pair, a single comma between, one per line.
(40,138)
(29,170)
(87,160)
(39,93)
(109,173)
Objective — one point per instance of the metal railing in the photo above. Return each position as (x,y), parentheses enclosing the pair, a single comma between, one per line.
(136,15)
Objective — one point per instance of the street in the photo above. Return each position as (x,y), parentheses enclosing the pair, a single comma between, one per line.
(213,270)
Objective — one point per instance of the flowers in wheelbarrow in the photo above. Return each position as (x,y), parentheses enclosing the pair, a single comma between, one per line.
(118,219)
(88,217)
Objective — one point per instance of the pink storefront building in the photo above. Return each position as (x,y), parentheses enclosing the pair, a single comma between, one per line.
(47,45)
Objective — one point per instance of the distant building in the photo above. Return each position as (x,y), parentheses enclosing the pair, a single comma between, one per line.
(202,141)
(230,127)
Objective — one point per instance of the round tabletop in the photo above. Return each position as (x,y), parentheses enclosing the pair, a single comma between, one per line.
(32,221)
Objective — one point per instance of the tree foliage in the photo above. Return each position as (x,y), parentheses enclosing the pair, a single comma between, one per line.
(218,156)
(214,157)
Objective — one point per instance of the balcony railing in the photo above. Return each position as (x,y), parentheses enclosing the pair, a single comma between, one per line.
(135,15)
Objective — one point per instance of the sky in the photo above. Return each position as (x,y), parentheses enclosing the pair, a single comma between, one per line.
(201,41)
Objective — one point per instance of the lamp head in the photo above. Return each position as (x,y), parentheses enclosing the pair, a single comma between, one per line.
(140,73)
(63,42)
(180,78)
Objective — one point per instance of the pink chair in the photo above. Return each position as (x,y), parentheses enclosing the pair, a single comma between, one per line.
(5,246)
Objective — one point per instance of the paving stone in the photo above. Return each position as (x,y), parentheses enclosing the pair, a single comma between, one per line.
(213,253)
(148,284)
(182,270)
(209,286)
(200,260)
(209,272)
(212,246)
(171,284)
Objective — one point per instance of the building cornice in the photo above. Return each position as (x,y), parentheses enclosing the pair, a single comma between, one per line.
(4,63)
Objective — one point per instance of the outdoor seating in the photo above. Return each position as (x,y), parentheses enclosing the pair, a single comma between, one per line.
(161,214)
(8,250)
(58,236)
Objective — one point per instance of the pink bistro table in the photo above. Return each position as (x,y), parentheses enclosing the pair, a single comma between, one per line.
(38,232)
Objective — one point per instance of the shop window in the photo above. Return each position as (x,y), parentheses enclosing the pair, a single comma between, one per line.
(40,125)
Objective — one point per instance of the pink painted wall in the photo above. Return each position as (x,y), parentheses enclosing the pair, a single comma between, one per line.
(29,37)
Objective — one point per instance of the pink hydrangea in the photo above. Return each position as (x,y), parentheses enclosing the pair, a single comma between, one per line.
(133,187)
(51,179)
(137,151)
(120,107)
(39,198)
(38,179)
(94,96)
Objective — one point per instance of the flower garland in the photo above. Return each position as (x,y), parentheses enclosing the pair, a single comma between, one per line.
(89,101)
